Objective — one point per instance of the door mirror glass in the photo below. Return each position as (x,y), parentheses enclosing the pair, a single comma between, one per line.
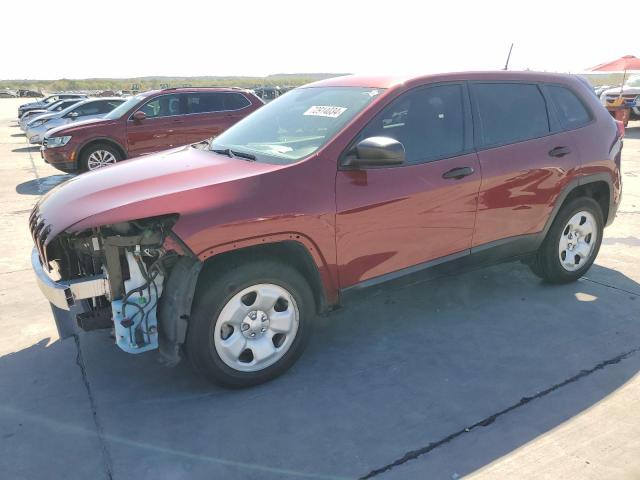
(139,116)
(73,115)
(376,152)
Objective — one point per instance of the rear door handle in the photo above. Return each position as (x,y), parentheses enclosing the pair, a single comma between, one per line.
(559,151)
(458,173)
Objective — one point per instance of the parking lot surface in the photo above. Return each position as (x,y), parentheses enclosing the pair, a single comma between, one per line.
(490,374)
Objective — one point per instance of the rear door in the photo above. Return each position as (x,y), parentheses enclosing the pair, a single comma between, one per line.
(525,157)
(211,113)
(161,129)
(397,217)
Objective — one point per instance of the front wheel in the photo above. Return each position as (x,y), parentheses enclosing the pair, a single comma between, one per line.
(572,243)
(250,324)
(99,156)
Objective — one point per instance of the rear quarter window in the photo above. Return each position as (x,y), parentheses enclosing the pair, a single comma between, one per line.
(510,112)
(570,110)
(235,101)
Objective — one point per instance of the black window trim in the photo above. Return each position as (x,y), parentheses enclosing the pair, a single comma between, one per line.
(467,128)
(477,120)
(562,128)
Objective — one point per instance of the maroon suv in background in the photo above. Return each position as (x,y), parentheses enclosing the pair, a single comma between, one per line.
(146,123)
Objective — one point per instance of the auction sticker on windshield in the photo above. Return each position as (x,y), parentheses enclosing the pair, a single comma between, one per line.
(325,111)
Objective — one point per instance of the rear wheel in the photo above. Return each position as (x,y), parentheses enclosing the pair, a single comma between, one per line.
(572,243)
(98,156)
(250,324)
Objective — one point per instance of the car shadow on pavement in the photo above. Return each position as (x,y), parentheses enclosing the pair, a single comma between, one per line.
(40,186)
(32,148)
(403,379)
(18,134)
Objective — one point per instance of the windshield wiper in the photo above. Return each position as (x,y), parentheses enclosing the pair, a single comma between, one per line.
(234,153)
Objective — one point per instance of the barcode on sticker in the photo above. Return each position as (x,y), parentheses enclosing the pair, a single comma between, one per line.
(325,111)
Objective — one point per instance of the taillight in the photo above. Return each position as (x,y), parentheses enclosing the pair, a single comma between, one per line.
(620,126)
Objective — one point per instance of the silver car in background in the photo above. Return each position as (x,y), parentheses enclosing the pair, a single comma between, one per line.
(84,110)
(54,107)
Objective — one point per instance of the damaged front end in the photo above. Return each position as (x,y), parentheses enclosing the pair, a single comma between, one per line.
(117,276)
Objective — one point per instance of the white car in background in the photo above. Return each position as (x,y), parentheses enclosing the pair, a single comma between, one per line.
(630,92)
(55,107)
(84,110)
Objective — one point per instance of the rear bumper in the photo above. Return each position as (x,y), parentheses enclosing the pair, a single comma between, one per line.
(65,294)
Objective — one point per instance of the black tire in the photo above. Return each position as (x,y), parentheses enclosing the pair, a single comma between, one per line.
(546,264)
(84,158)
(211,297)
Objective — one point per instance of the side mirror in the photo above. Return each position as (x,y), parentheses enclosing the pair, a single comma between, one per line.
(139,116)
(73,115)
(375,152)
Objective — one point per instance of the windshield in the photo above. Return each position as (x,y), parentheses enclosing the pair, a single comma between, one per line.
(296,124)
(51,99)
(124,107)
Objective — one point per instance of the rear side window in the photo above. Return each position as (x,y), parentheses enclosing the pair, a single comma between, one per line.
(235,101)
(205,102)
(429,122)
(510,112)
(571,111)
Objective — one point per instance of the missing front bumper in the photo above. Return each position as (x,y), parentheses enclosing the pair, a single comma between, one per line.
(65,294)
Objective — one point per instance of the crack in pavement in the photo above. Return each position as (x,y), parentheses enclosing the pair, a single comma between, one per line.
(485,422)
(106,456)
(610,286)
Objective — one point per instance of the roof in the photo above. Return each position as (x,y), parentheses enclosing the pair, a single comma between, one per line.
(389,81)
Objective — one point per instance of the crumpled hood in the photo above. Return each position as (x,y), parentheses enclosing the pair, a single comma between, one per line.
(180,180)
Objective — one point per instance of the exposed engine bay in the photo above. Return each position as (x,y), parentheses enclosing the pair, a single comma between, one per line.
(135,262)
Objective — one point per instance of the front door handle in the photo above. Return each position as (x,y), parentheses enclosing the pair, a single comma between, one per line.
(458,173)
(559,151)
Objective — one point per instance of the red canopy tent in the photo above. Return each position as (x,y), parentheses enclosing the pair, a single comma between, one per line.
(622,64)
(618,109)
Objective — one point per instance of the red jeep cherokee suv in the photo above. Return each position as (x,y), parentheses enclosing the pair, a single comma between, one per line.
(148,122)
(228,254)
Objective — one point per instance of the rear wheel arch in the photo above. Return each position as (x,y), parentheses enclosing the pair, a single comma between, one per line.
(597,186)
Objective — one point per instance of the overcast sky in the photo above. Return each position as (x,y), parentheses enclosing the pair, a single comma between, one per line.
(80,39)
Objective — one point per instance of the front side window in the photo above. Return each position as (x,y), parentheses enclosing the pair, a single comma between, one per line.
(428,121)
(163,106)
(510,112)
(297,124)
(91,108)
(571,111)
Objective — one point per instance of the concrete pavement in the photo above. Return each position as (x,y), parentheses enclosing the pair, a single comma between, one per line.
(490,374)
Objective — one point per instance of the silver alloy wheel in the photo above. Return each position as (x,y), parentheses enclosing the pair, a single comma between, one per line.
(256,327)
(99,159)
(577,241)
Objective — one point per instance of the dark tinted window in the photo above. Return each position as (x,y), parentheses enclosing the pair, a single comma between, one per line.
(510,112)
(162,106)
(205,102)
(429,122)
(235,101)
(571,111)
(109,105)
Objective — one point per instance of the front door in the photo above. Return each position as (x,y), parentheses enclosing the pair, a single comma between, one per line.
(161,128)
(397,217)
